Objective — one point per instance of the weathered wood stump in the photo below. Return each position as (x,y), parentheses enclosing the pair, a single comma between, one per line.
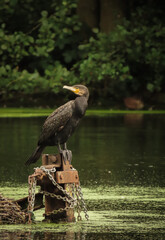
(57,208)
(57,179)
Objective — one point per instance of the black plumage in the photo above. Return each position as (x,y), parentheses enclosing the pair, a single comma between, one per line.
(60,125)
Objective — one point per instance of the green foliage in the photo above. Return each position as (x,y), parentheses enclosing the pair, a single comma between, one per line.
(58,31)
(128,61)
(42,48)
(34,58)
(14,47)
(12,80)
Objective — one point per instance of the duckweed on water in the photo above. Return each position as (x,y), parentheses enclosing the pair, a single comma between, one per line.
(39,112)
(121,168)
(127,209)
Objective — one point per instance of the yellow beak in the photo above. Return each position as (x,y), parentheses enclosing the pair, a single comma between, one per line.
(75,90)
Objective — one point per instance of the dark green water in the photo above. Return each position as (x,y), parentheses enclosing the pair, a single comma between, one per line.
(121,164)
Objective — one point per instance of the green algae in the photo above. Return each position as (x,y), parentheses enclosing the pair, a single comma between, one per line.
(135,204)
(39,112)
(24,112)
(115,209)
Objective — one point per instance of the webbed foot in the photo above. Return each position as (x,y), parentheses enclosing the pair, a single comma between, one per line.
(67,154)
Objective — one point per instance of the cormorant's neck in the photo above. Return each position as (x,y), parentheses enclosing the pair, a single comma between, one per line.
(86,96)
(83,98)
(81,104)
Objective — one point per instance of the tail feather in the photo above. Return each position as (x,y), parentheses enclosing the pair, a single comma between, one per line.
(35,156)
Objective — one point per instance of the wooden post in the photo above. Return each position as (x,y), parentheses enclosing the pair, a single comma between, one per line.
(65,176)
(68,187)
(56,209)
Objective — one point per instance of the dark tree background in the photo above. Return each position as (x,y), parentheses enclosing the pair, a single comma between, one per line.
(102,14)
(115,47)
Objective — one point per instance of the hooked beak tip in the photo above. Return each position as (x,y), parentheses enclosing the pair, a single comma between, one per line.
(68,87)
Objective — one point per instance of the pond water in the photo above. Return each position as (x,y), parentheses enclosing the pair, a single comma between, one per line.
(121,164)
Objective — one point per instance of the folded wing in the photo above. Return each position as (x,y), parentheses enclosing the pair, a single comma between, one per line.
(56,121)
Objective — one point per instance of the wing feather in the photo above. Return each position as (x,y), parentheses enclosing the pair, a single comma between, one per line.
(56,121)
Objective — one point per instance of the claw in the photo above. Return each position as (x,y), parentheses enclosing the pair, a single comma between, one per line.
(67,154)
(64,154)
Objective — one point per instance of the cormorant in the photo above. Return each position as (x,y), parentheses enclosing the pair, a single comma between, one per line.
(60,125)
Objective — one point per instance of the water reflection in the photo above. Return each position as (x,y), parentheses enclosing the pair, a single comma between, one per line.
(120,160)
(78,236)
(111,150)
(18,235)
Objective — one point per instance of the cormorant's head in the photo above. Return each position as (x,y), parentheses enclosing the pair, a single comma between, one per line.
(79,90)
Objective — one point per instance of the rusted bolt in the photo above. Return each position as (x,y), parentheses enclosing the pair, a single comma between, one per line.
(60,176)
(76,176)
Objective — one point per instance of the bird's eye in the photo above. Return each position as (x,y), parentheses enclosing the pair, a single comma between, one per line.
(77,90)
